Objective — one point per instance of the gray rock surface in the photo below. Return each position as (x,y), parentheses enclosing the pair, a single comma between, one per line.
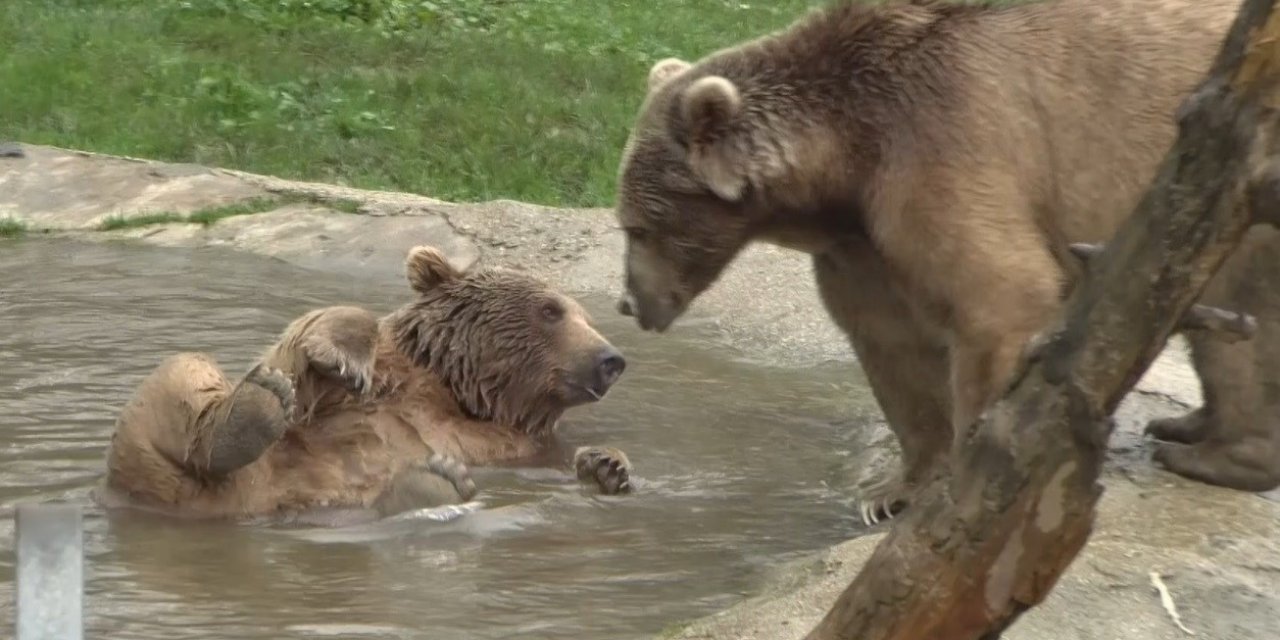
(1217,550)
(73,191)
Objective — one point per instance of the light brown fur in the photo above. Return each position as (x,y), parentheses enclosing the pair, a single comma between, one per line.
(342,412)
(935,159)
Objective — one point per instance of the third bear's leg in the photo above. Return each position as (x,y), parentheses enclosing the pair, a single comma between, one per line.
(1239,445)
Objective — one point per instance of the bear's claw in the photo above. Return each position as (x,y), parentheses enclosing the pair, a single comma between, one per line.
(355,377)
(883,503)
(607,467)
(277,382)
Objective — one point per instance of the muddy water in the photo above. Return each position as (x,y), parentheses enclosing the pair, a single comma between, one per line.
(737,468)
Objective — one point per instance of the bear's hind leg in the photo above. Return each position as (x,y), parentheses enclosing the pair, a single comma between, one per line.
(1189,428)
(253,417)
(1239,447)
(1250,464)
(160,430)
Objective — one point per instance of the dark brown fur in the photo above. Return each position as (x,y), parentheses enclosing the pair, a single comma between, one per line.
(935,160)
(349,411)
(485,337)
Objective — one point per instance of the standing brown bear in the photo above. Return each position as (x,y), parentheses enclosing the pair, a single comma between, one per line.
(371,416)
(936,160)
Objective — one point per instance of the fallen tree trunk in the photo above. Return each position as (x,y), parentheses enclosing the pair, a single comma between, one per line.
(980,547)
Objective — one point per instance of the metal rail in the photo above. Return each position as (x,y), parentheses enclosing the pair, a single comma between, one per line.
(49,582)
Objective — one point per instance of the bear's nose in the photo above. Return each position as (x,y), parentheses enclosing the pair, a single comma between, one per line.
(625,307)
(609,366)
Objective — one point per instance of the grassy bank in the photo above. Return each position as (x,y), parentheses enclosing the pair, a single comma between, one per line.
(11,228)
(212,215)
(458,99)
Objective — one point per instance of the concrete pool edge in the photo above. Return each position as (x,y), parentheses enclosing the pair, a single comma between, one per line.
(1216,549)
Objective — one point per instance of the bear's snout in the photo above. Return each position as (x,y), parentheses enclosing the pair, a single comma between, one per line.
(625,305)
(609,367)
(596,374)
(651,313)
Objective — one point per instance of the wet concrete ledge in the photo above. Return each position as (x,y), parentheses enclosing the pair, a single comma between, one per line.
(73,193)
(1218,551)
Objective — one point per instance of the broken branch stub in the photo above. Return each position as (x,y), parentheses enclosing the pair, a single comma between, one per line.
(980,547)
(1231,326)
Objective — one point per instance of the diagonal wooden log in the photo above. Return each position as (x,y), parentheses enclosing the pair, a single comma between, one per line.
(988,542)
(1230,326)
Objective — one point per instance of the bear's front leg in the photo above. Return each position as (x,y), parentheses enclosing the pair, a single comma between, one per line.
(341,344)
(905,364)
(253,418)
(1002,303)
(608,468)
(908,380)
(981,372)
(441,480)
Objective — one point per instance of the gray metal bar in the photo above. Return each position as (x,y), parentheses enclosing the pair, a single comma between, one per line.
(49,540)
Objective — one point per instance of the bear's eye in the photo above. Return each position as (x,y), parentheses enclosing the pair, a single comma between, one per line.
(636,234)
(552,312)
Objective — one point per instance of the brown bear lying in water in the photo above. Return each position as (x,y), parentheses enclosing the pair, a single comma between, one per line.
(350,411)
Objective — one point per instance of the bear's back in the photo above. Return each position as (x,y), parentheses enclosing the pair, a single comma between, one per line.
(1079,97)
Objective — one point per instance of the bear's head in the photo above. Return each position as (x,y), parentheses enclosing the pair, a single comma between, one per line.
(748,143)
(509,348)
(680,191)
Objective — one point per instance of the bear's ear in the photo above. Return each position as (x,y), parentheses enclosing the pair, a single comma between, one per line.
(427,269)
(664,70)
(710,106)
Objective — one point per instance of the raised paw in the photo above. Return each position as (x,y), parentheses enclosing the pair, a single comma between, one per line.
(256,415)
(341,345)
(1187,429)
(277,382)
(354,376)
(605,466)
(884,502)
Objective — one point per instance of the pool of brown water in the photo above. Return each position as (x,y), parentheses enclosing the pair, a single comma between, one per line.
(737,468)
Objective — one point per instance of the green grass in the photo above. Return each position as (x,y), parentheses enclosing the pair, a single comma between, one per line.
(673,629)
(12,227)
(338,204)
(119,222)
(458,99)
(212,215)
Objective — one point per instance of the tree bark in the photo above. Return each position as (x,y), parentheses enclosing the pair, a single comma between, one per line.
(988,542)
(1229,326)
